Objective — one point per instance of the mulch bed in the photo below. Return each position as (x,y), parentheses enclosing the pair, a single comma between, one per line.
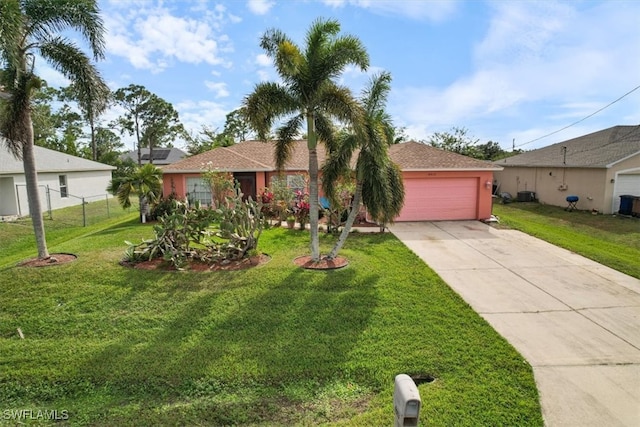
(54,259)
(323,264)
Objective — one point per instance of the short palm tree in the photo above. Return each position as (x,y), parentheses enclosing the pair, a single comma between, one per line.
(308,94)
(145,182)
(378,180)
(34,27)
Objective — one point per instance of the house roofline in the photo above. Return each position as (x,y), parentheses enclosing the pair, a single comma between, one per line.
(167,171)
(452,169)
(557,166)
(622,159)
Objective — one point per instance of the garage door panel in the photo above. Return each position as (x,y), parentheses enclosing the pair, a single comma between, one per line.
(626,184)
(440,199)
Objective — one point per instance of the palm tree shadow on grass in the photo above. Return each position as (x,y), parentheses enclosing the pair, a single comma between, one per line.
(298,332)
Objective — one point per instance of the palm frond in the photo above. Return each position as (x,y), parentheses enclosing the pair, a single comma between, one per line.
(342,52)
(54,16)
(73,63)
(271,41)
(325,130)
(267,102)
(338,163)
(374,96)
(319,34)
(339,103)
(284,147)
(12,21)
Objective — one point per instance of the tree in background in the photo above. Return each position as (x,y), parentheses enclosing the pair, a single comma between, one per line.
(92,103)
(208,139)
(160,124)
(459,141)
(308,94)
(132,99)
(152,120)
(378,180)
(30,28)
(236,129)
(237,125)
(107,146)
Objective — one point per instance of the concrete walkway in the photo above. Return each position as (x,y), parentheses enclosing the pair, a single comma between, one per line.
(576,322)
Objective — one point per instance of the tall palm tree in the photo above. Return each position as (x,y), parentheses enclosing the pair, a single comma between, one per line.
(378,181)
(145,182)
(308,94)
(34,27)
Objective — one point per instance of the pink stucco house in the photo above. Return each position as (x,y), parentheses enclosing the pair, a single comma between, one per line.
(439,185)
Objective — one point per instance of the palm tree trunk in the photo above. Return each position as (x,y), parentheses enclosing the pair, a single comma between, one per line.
(144,208)
(312,143)
(31,177)
(355,209)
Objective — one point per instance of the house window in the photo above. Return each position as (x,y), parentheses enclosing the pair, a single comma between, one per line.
(62,179)
(198,190)
(296,182)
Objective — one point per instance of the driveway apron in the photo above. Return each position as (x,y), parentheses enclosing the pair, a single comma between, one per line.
(575,321)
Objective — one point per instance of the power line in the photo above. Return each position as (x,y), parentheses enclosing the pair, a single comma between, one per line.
(581,120)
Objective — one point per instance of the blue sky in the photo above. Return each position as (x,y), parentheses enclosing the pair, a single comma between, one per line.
(504,70)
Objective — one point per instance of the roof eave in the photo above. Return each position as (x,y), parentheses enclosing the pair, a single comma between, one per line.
(558,166)
(622,159)
(497,168)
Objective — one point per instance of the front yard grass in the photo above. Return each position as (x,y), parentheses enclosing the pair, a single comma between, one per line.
(273,345)
(610,240)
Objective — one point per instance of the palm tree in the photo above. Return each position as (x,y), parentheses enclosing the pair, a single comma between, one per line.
(145,182)
(34,27)
(308,94)
(378,180)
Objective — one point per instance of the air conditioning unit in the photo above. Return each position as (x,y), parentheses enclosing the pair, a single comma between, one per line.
(563,187)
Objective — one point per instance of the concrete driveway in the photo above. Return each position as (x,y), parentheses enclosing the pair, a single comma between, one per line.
(576,322)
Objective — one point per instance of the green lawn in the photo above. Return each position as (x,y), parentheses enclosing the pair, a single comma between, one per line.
(273,345)
(611,240)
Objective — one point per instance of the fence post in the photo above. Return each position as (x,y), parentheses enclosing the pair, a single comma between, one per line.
(84,214)
(106,196)
(48,193)
(18,198)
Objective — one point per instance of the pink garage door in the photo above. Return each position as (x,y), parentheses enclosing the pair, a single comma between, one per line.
(433,199)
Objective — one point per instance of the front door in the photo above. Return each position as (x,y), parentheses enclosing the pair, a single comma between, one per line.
(247,182)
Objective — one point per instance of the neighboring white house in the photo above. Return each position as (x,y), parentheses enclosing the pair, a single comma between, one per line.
(63,180)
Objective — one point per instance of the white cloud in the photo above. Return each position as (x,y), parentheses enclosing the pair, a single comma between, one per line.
(263,60)
(260,7)
(542,58)
(153,38)
(219,88)
(196,114)
(435,10)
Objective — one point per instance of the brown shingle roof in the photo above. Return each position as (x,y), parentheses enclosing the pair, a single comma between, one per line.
(596,150)
(245,156)
(259,156)
(420,157)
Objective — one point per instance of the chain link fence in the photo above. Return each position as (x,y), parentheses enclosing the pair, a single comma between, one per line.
(86,211)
